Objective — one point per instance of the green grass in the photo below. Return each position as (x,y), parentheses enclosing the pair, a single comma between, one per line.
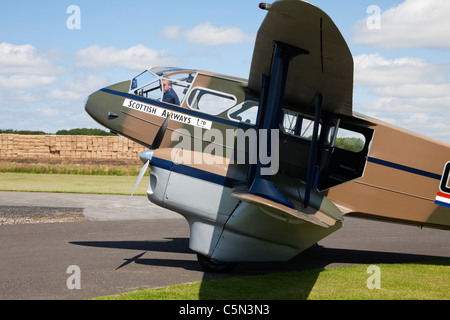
(66,183)
(416,281)
(66,168)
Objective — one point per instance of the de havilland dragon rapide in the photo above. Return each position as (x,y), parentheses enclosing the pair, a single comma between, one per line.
(265,167)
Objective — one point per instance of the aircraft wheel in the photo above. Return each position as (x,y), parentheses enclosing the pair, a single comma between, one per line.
(211,265)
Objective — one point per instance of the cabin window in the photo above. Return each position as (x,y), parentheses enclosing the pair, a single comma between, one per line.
(346,139)
(246,111)
(210,101)
(296,125)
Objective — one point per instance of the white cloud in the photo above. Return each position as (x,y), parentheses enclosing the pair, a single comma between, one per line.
(19,96)
(375,70)
(47,112)
(407,92)
(429,124)
(78,88)
(413,23)
(24,59)
(137,57)
(23,67)
(171,32)
(408,83)
(25,81)
(406,104)
(208,35)
(420,90)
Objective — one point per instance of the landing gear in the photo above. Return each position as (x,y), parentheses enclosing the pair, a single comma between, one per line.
(211,265)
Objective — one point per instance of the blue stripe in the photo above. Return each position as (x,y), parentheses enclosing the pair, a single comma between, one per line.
(176,108)
(161,163)
(440,203)
(405,168)
(193,172)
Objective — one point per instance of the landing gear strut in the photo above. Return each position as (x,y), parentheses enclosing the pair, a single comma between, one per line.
(211,265)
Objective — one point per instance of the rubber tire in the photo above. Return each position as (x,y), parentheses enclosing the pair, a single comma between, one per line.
(215,266)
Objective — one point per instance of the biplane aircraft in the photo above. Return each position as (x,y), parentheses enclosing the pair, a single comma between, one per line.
(264,168)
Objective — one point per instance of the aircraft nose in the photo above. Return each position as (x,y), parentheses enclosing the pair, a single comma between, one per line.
(87,105)
(104,106)
(94,109)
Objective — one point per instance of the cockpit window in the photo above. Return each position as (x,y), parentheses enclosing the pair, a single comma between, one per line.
(163,84)
(162,71)
(147,85)
(143,79)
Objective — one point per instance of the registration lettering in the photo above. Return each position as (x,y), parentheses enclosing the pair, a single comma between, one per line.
(443,195)
(164,113)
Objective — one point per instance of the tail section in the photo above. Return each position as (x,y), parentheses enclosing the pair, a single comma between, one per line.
(406,180)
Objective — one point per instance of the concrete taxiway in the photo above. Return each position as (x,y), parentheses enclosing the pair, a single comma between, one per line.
(121,249)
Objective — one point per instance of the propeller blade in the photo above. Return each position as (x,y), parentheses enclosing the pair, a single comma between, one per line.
(146,156)
(141,174)
(160,135)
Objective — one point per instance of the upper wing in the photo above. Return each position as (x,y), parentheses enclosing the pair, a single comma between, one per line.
(327,69)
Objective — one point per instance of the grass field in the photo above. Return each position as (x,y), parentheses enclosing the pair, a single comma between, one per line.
(71,183)
(91,168)
(417,281)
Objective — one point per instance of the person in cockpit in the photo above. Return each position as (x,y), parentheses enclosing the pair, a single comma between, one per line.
(170,95)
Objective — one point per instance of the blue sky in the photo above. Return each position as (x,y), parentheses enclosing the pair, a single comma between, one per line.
(402,68)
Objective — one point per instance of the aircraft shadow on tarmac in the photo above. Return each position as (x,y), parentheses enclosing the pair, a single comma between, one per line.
(316,258)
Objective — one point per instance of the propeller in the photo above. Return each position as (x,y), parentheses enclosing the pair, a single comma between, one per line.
(146,156)
(161,132)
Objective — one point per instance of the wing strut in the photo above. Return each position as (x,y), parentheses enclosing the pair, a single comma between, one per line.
(312,174)
(269,116)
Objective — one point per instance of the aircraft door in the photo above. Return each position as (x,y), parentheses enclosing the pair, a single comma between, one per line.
(329,142)
(344,154)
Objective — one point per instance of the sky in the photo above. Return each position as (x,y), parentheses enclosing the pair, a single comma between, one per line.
(54,54)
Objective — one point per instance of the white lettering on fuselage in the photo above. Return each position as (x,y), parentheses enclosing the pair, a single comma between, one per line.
(164,113)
